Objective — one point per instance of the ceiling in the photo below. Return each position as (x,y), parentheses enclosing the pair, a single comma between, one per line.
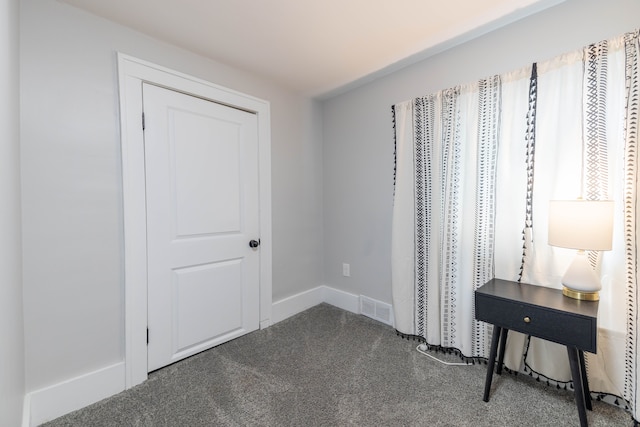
(317,48)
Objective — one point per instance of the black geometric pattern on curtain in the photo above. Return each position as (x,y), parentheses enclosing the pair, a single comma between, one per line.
(424,113)
(632,79)
(484,236)
(450,146)
(530,141)
(596,164)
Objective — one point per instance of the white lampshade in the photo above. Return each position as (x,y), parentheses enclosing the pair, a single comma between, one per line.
(585,225)
(581,224)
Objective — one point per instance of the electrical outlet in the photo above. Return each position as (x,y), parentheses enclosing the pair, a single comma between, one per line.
(346,270)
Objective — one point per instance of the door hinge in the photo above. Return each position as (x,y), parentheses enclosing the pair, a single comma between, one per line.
(147,335)
(143,121)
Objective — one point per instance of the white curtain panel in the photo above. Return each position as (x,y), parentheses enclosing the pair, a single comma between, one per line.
(476,166)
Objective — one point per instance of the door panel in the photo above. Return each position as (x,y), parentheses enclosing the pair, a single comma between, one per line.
(201,161)
(213,155)
(197,302)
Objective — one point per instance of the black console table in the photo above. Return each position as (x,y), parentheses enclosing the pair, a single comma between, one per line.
(544,313)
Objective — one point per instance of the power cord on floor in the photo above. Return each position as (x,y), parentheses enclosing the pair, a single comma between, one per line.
(421,348)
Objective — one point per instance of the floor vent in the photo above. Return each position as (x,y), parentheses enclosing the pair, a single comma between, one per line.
(378,310)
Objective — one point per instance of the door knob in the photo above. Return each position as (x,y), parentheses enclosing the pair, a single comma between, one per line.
(254,243)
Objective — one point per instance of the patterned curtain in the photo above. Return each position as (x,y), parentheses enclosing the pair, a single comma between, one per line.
(476,166)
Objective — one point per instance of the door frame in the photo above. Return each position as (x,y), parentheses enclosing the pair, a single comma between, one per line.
(132,72)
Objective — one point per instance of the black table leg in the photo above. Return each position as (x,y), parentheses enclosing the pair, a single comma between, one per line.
(503,343)
(492,359)
(576,375)
(585,381)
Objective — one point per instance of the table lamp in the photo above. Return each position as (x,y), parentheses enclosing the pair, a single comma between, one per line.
(585,225)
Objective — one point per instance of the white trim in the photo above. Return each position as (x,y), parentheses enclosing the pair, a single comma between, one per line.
(302,301)
(26,410)
(131,73)
(297,303)
(342,299)
(59,399)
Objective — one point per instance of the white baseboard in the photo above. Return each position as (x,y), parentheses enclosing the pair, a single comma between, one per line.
(59,399)
(298,303)
(295,304)
(341,299)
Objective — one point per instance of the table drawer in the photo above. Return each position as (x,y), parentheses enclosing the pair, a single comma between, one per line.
(560,327)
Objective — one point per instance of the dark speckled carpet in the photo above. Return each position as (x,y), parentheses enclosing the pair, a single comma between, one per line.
(329,367)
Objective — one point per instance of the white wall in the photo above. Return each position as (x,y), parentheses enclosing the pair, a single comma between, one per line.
(358,137)
(72,196)
(11,330)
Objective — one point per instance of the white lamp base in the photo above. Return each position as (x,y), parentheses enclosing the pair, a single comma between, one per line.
(580,281)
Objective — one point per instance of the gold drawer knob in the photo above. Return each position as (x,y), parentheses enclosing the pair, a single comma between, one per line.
(527,319)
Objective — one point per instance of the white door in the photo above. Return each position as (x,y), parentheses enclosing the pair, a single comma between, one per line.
(201,167)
